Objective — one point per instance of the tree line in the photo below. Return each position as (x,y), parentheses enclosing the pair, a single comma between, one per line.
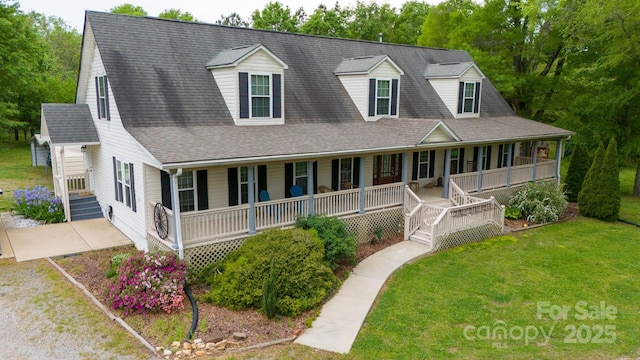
(570,63)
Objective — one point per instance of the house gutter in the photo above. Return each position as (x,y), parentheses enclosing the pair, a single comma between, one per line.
(257,159)
(175,199)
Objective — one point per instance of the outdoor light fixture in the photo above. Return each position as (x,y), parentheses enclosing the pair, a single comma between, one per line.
(83,148)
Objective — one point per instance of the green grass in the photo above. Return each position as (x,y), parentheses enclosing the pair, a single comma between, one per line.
(499,282)
(16,171)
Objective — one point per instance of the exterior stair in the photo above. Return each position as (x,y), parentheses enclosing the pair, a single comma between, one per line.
(421,236)
(84,208)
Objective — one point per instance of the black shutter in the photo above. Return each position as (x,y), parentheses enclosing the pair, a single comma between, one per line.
(461,97)
(165,185)
(356,171)
(203,189)
(262,178)
(277,98)
(133,188)
(394,97)
(232,181)
(488,157)
(106,98)
(98,100)
(315,177)
(288,179)
(115,178)
(476,106)
(432,163)
(475,158)
(244,96)
(335,174)
(500,154)
(461,161)
(414,170)
(372,97)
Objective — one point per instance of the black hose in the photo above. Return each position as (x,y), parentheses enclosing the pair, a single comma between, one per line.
(628,222)
(194,307)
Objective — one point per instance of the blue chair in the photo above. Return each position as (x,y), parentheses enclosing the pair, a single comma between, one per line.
(264,196)
(296,190)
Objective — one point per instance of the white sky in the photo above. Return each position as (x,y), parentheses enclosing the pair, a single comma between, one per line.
(72,11)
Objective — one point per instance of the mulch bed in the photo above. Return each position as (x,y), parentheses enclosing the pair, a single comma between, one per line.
(219,323)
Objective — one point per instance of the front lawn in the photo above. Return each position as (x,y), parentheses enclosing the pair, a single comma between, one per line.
(443,306)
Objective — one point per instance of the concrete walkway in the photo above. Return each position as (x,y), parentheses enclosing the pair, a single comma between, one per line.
(59,239)
(341,317)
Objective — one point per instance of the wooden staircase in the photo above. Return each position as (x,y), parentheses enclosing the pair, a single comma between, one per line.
(423,234)
(84,208)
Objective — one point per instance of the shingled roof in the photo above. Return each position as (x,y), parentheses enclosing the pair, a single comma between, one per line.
(169,101)
(69,124)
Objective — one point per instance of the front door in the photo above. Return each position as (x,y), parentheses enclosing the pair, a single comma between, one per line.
(387,169)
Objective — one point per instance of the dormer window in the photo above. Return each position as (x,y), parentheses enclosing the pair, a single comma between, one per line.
(469,97)
(260,96)
(383,98)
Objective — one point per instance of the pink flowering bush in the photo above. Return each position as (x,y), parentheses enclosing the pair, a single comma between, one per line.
(148,281)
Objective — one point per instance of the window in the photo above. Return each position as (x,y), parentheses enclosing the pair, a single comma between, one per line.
(455,160)
(469,97)
(102,97)
(187,191)
(346,172)
(383,97)
(124,183)
(243,183)
(423,165)
(301,176)
(260,96)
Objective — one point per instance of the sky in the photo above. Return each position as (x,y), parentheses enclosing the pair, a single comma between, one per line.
(72,11)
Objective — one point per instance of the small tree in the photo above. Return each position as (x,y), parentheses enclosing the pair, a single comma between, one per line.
(586,196)
(577,171)
(607,195)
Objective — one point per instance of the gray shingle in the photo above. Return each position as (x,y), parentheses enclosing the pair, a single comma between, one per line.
(230,56)
(359,65)
(69,124)
(447,69)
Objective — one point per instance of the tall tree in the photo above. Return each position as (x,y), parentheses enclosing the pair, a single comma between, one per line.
(177,14)
(128,9)
(275,16)
(233,19)
(586,197)
(408,24)
(578,168)
(371,20)
(327,22)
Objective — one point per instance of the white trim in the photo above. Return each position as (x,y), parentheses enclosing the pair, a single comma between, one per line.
(471,65)
(446,129)
(249,54)
(251,96)
(390,97)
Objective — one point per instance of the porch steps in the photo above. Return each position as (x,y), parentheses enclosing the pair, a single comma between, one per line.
(84,208)
(421,236)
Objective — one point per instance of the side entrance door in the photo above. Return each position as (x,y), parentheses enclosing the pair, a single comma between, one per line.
(387,169)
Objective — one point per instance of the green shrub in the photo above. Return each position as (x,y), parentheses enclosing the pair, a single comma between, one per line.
(270,293)
(586,198)
(540,202)
(294,256)
(512,213)
(607,193)
(116,260)
(338,244)
(577,171)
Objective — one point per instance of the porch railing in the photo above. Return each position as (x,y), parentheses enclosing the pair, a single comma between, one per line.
(463,217)
(337,203)
(212,224)
(496,178)
(381,196)
(78,183)
(417,213)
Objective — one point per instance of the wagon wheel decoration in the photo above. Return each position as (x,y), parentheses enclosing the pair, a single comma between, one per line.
(161,221)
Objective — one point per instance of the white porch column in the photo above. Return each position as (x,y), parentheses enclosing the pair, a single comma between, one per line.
(54,168)
(310,188)
(177,223)
(252,200)
(509,160)
(479,166)
(405,170)
(361,185)
(64,190)
(447,170)
(534,159)
(558,158)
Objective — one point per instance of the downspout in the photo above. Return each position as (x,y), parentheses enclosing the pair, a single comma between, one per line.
(447,170)
(177,224)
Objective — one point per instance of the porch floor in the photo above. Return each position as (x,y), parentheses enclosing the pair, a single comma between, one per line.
(433,196)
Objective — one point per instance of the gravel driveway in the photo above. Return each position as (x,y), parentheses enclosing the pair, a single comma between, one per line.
(42,316)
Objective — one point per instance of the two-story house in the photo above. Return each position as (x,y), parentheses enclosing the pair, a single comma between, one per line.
(198,135)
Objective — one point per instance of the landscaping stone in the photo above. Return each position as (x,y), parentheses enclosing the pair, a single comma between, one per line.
(240,336)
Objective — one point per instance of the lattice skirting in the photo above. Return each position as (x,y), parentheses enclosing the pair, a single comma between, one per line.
(470,235)
(363,226)
(201,255)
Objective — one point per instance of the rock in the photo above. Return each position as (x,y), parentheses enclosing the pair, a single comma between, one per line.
(201,353)
(215,340)
(240,336)
(166,352)
(197,341)
(200,345)
(175,344)
(187,346)
(210,346)
(159,349)
(187,352)
(179,352)
(297,332)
